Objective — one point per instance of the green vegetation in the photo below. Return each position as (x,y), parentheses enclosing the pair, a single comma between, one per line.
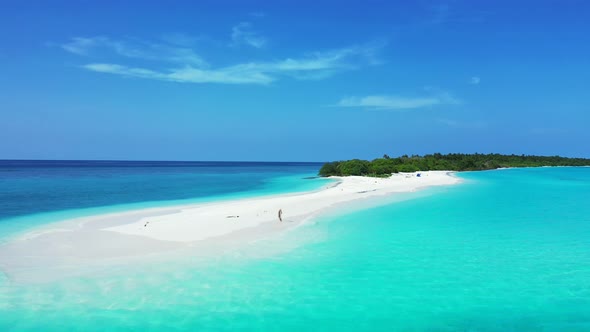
(450,162)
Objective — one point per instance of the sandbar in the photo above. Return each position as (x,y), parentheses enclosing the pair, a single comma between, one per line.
(116,237)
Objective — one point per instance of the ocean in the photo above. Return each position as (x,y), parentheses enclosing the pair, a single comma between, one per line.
(37,192)
(505,250)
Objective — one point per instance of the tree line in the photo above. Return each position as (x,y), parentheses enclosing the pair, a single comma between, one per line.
(449,162)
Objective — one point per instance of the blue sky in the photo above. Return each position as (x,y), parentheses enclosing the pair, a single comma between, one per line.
(292,81)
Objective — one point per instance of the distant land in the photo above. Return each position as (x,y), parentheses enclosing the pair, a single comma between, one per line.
(385,166)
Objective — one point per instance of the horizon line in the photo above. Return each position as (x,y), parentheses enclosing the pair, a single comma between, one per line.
(173,161)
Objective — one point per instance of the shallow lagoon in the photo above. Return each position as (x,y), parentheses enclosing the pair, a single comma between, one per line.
(506,250)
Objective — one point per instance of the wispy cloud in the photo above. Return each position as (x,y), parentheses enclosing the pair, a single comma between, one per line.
(170,61)
(243,34)
(104,46)
(475,80)
(228,75)
(80,45)
(315,65)
(395,102)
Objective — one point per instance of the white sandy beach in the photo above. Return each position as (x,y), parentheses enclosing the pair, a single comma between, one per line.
(211,225)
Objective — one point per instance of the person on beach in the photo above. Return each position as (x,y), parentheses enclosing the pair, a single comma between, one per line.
(281,215)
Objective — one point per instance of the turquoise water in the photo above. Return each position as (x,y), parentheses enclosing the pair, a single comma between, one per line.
(507,250)
(38,192)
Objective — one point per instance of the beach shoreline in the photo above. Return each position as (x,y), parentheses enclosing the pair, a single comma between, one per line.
(205,228)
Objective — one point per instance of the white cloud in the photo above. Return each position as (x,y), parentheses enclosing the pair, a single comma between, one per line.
(122,70)
(315,65)
(172,62)
(475,80)
(392,102)
(242,34)
(228,75)
(132,49)
(80,46)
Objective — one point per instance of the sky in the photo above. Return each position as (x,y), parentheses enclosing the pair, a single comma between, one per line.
(292,80)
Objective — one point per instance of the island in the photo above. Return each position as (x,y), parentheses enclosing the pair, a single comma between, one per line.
(385,166)
(201,230)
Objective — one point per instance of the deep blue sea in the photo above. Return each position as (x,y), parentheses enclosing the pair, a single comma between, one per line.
(37,192)
(506,250)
